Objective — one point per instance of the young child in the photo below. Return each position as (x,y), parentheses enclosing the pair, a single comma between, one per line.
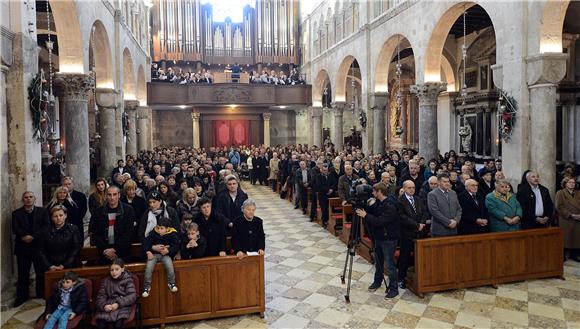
(186,219)
(161,244)
(194,245)
(115,297)
(68,300)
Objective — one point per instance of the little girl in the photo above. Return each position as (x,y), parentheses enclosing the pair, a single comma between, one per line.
(116,297)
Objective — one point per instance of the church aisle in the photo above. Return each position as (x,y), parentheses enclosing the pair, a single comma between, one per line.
(303,289)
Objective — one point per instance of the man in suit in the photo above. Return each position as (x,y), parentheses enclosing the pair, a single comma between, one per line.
(474,216)
(303,180)
(314,173)
(325,186)
(444,208)
(81,201)
(28,222)
(229,201)
(345,184)
(537,205)
(413,218)
(120,169)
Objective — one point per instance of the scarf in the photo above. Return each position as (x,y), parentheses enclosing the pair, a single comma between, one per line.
(505,198)
(152,218)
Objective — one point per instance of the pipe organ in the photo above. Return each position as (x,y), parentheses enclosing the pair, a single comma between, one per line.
(184,30)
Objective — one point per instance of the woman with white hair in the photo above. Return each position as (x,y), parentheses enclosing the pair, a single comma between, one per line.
(248,232)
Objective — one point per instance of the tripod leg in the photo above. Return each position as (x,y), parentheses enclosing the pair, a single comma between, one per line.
(347,296)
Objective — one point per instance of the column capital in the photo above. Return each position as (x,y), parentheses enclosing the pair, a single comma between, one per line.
(266,116)
(428,92)
(74,85)
(379,100)
(547,68)
(106,97)
(131,104)
(143,112)
(338,108)
(195,116)
(316,111)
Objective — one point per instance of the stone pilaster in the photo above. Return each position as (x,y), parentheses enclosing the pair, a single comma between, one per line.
(143,128)
(107,102)
(195,126)
(544,72)
(266,116)
(379,106)
(316,117)
(338,138)
(428,93)
(131,111)
(74,88)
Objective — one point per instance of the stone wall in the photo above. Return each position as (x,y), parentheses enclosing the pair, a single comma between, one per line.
(172,127)
(282,127)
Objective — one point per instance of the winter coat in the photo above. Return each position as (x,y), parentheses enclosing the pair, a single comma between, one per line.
(230,209)
(566,205)
(60,247)
(170,239)
(123,229)
(79,300)
(499,207)
(121,291)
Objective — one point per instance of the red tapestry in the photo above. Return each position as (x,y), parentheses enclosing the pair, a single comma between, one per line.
(228,132)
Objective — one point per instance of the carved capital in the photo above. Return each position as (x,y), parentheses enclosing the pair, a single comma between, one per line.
(131,104)
(195,116)
(380,100)
(338,108)
(143,112)
(547,68)
(266,116)
(74,86)
(428,92)
(316,111)
(106,97)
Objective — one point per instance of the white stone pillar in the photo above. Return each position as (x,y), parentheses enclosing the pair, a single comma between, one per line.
(428,94)
(570,122)
(131,111)
(143,132)
(316,117)
(195,126)
(75,88)
(338,138)
(544,72)
(380,101)
(266,116)
(577,136)
(107,103)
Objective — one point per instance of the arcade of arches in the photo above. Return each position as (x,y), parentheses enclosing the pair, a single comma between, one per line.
(490,80)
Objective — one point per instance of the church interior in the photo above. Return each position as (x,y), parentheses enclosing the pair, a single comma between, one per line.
(290,164)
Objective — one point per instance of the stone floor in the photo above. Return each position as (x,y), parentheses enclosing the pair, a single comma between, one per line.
(303,289)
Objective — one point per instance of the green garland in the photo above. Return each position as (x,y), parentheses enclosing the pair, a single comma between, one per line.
(35,100)
(508,108)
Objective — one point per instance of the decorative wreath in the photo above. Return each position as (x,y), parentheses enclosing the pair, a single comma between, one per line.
(508,108)
(38,99)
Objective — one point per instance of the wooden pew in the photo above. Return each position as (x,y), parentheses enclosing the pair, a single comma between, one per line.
(209,287)
(91,254)
(347,211)
(335,215)
(486,259)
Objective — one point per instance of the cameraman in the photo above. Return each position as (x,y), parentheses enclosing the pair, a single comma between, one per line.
(384,228)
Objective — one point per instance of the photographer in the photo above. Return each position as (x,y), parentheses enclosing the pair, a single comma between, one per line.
(384,228)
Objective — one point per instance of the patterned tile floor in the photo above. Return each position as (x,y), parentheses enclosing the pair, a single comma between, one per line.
(303,289)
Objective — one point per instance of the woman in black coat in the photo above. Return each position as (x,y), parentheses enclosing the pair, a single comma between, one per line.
(248,231)
(212,227)
(62,197)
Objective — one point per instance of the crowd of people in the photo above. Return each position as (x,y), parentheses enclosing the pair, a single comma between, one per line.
(180,76)
(183,203)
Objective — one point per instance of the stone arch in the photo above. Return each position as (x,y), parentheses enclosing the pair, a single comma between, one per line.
(341,78)
(383,63)
(101,56)
(434,50)
(141,86)
(322,79)
(129,90)
(70,40)
(552,24)
(448,73)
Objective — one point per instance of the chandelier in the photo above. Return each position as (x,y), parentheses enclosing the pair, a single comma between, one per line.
(399,95)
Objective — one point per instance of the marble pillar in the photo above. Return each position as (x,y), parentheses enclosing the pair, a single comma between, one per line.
(316,119)
(131,111)
(428,94)
(544,73)
(379,107)
(143,133)
(338,136)
(577,135)
(266,116)
(107,103)
(570,122)
(74,88)
(196,133)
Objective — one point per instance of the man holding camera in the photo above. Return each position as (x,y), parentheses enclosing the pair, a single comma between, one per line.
(384,228)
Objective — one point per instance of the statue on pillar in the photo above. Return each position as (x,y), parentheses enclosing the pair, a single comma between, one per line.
(465,132)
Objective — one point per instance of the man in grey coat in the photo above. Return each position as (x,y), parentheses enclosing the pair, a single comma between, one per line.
(444,208)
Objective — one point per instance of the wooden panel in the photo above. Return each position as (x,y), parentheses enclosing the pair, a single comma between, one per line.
(243,279)
(511,263)
(194,291)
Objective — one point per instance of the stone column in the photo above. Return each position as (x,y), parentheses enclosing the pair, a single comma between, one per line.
(266,116)
(379,106)
(428,94)
(577,136)
(544,72)
(195,126)
(131,111)
(107,103)
(143,132)
(338,138)
(75,88)
(316,117)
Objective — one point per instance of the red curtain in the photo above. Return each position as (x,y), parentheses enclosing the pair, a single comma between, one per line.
(228,132)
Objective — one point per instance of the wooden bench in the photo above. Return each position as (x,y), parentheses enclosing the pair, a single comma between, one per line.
(486,259)
(334,216)
(347,211)
(209,287)
(91,254)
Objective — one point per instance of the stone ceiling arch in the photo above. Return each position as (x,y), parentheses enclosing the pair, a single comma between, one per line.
(322,79)
(101,55)
(388,50)
(141,86)
(129,85)
(70,41)
(341,78)
(552,25)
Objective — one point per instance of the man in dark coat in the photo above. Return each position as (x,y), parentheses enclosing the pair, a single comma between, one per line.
(81,202)
(537,205)
(314,173)
(120,169)
(229,202)
(345,184)
(303,180)
(53,172)
(260,165)
(211,226)
(248,232)
(324,186)
(413,174)
(113,227)
(474,216)
(413,218)
(28,222)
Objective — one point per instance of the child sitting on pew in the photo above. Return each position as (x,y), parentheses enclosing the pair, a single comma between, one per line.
(68,300)
(161,244)
(116,297)
(193,245)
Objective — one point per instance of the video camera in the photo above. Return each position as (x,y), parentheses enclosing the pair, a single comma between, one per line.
(361,192)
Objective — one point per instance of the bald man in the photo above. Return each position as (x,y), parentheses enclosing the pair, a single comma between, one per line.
(474,217)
